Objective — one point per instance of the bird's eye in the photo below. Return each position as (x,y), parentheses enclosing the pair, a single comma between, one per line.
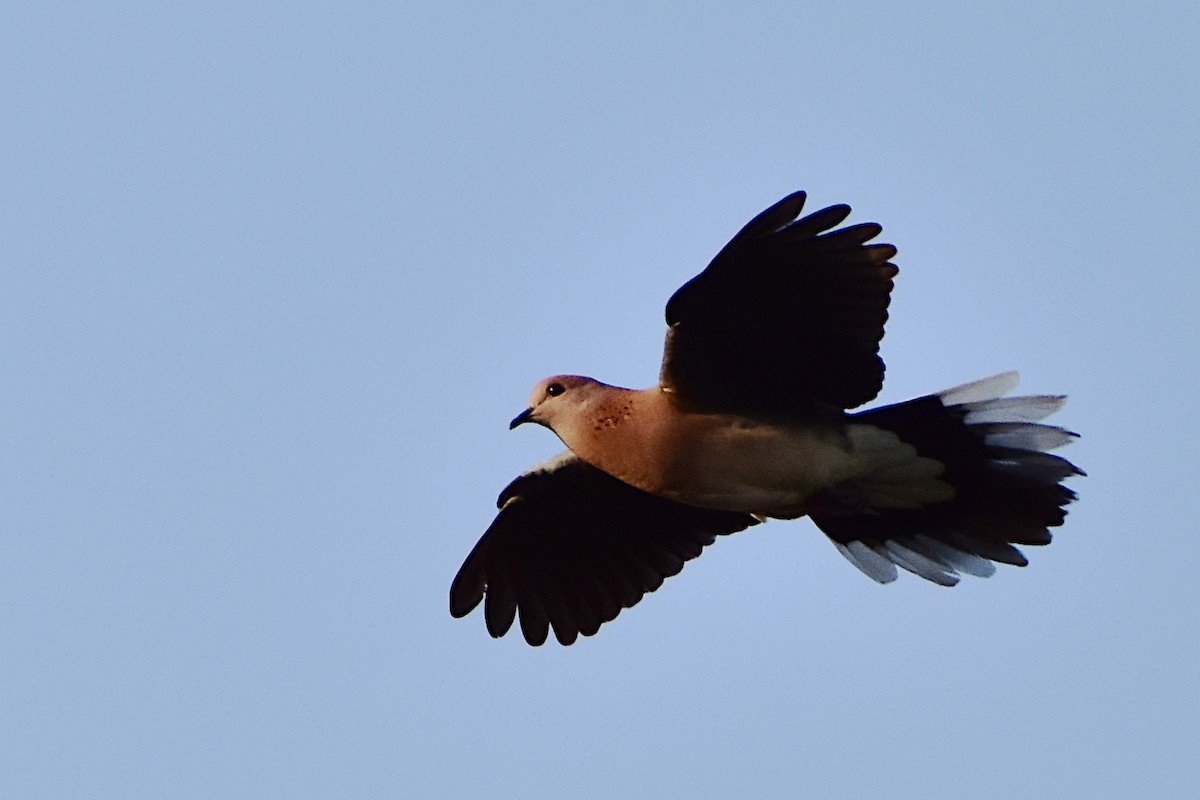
(555,389)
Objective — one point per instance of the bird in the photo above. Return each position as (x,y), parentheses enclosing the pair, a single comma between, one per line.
(769,352)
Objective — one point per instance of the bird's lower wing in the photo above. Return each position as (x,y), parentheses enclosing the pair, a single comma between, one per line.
(572,546)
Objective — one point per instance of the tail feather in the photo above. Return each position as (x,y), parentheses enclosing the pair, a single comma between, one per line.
(1007,487)
(1031,408)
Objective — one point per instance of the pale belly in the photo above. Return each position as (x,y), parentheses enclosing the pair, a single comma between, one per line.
(744,467)
(734,464)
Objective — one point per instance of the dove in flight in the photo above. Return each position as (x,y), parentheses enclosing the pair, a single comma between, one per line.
(767,350)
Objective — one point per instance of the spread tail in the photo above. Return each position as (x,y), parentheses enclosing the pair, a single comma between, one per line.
(1007,485)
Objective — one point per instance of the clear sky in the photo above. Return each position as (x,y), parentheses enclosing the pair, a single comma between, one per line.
(274,278)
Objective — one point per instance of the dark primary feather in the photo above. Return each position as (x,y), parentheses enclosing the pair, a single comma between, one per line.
(786,320)
(572,546)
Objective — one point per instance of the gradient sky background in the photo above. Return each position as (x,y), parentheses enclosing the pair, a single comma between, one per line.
(274,278)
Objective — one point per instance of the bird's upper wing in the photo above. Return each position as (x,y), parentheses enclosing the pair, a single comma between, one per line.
(572,546)
(786,319)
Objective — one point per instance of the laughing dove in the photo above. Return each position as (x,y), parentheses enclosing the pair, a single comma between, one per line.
(766,351)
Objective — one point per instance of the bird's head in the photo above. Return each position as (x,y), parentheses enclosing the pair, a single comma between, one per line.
(558,398)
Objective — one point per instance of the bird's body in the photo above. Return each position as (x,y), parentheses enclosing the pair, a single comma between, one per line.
(768,350)
(731,462)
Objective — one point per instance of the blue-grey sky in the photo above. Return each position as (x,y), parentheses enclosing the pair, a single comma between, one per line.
(275,276)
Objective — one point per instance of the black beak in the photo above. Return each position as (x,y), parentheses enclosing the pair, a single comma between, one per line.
(524,416)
